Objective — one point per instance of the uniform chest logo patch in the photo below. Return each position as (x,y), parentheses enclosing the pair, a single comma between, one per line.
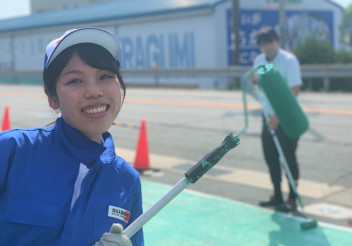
(119,213)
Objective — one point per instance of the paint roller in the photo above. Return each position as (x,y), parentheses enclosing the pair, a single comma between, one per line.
(291,117)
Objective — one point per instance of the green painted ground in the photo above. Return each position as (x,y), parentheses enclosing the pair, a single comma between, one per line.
(24,80)
(196,219)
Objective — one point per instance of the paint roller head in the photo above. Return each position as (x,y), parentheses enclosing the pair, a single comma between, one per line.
(309,225)
(292,119)
(213,157)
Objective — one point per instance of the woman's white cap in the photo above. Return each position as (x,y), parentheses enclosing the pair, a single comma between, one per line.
(82,35)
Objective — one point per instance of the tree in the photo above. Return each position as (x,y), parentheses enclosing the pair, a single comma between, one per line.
(315,51)
(346,26)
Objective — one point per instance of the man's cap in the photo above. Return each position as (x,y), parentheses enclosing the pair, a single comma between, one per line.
(82,35)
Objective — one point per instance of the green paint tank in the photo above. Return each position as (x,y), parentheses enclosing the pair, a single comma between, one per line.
(292,119)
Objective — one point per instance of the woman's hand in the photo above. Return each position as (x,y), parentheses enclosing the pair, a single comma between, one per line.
(115,237)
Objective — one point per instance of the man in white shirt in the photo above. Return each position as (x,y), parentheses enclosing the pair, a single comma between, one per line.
(288,65)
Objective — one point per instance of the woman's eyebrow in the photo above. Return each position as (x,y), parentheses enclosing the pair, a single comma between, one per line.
(74,71)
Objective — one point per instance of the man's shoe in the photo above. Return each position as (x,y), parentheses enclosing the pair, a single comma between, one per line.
(273,202)
(289,206)
(292,202)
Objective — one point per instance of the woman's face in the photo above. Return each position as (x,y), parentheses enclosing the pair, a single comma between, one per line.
(89,99)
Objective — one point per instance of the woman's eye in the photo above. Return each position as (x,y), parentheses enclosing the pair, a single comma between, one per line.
(73,82)
(107,76)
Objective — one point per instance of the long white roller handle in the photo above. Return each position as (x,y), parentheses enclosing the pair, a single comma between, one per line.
(146,216)
(191,176)
(285,165)
(281,152)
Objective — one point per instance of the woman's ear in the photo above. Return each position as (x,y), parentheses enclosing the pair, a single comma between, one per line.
(53,101)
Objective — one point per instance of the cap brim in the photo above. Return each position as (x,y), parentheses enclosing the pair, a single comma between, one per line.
(88,35)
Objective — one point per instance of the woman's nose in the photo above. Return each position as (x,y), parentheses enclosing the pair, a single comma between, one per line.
(93,90)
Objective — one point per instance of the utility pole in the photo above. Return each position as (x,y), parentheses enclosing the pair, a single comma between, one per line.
(282,22)
(236,31)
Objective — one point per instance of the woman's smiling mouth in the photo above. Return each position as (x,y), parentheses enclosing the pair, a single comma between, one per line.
(95,109)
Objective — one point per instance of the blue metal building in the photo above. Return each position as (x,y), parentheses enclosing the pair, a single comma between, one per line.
(169,34)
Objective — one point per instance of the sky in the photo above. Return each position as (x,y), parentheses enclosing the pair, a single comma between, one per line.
(14,8)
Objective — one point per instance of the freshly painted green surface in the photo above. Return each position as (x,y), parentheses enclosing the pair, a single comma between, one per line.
(6,80)
(24,80)
(193,219)
(31,80)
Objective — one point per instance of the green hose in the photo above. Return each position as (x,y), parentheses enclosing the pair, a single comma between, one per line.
(244,98)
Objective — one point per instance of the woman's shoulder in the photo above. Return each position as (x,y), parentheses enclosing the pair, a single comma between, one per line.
(124,167)
(25,134)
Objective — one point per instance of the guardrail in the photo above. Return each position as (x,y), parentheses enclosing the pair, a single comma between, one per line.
(308,71)
(325,71)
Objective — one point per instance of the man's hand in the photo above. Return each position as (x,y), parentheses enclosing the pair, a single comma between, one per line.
(253,78)
(115,237)
(273,123)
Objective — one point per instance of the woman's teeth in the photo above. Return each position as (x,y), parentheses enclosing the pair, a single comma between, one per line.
(95,110)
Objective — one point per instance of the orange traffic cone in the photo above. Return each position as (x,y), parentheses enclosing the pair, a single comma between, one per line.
(141,162)
(6,120)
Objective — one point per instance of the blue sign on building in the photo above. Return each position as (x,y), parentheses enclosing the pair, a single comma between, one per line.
(171,50)
(300,24)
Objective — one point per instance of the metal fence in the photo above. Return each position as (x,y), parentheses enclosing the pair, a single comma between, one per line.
(323,71)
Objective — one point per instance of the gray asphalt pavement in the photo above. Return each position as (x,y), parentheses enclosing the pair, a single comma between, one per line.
(187,124)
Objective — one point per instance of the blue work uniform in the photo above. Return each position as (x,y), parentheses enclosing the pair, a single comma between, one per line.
(38,171)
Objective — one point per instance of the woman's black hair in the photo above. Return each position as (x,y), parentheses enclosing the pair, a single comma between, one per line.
(92,54)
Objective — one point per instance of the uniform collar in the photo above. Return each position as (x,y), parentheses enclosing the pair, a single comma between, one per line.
(83,149)
(277,57)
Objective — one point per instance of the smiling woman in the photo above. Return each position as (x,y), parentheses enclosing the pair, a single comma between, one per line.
(84,82)
(70,177)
